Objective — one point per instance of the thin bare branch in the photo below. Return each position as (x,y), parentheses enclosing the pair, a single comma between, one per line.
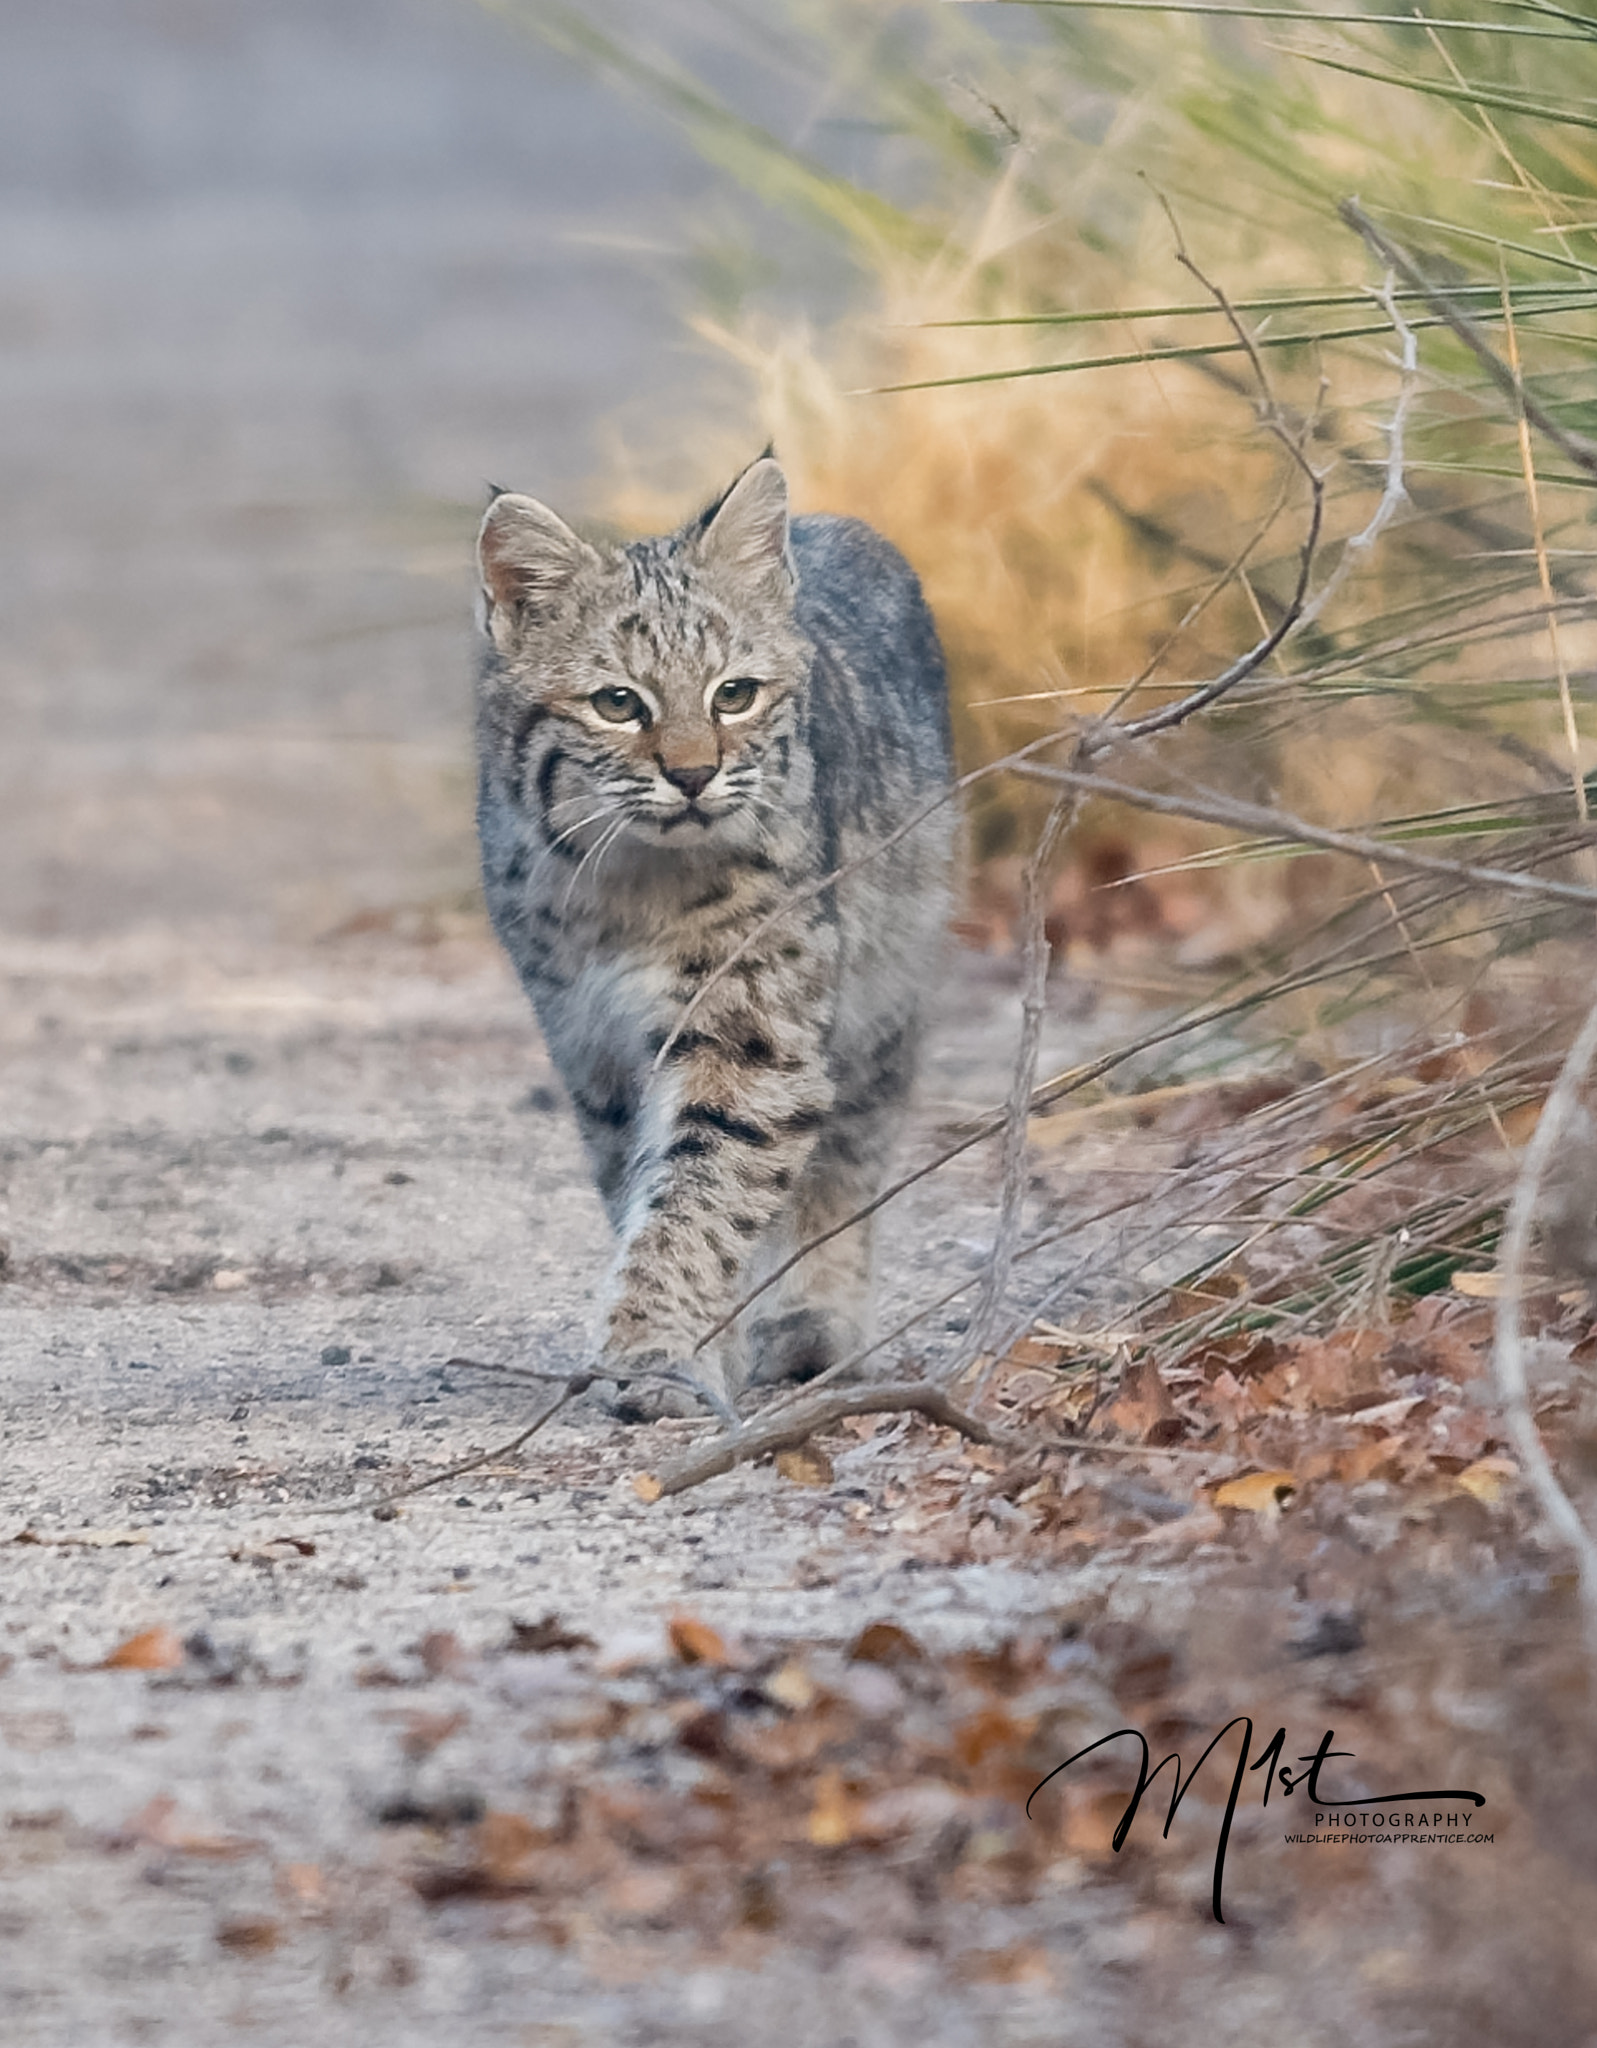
(1211,808)
(382,1504)
(1576,447)
(1508,1353)
(1036,958)
(1394,494)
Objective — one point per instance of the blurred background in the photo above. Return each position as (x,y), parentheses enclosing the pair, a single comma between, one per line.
(281,288)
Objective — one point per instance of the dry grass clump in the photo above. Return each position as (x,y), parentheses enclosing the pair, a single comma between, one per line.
(1075,530)
(1083,444)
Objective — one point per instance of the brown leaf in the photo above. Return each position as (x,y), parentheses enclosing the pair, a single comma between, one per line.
(647,1487)
(157,1826)
(791,1745)
(250,1935)
(1025,1963)
(808,1465)
(695,1642)
(1143,1408)
(152,1649)
(1258,1493)
(505,1844)
(303,1886)
(790,1686)
(1089,1822)
(551,1633)
(646,1895)
(441,1654)
(834,1814)
(274,1550)
(1340,1372)
(884,1642)
(1487,1478)
(991,1733)
(421,1732)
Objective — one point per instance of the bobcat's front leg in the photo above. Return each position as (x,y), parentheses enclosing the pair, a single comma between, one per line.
(725,1128)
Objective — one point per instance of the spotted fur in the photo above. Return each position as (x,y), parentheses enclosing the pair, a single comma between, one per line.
(641,812)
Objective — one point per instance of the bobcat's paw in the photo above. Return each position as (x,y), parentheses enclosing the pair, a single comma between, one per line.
(801,1344)
(645,1389)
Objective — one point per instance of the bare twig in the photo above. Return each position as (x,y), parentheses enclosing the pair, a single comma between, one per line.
(1036,957)
(1508,1357)
(1214,809)
(1394,494)
(1579,450)
(797,1423)
(1107,733)
(572,1385)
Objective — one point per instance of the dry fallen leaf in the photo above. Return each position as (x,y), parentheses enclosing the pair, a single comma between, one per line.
(274,1550)
(1258,1493)
(152,1649)
(537,1638)
(157,1826)
(302,1886)
(505,1843)
(423,1732)
(1487,1478)
(884,1642)
(250,1934)
(790,1686)
(1489,1286)
(647,1487)
(441,1654)
(832,1817)
(1143,1408)
(695,1642)
(990,1733)
(808,1465)
(1022,1964)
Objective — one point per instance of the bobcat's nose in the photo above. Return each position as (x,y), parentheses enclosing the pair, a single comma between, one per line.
(691,781)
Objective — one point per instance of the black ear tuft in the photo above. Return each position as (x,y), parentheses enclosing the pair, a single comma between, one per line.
(701,522)
(746,533)
(495,491)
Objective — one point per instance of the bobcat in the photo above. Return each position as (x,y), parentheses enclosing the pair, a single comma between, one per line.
(674,736)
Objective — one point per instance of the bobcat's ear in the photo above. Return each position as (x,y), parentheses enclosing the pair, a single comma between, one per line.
(526,555)
(747,531)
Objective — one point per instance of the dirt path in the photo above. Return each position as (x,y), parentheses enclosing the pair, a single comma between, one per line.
(248,1217)
(278,288)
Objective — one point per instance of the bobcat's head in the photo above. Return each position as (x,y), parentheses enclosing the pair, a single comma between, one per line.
(649,690)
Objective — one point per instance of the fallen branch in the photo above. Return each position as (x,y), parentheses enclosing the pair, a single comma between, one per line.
(802,1419)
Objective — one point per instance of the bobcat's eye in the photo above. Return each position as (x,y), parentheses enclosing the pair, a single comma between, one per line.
(729,700)
(620,706)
